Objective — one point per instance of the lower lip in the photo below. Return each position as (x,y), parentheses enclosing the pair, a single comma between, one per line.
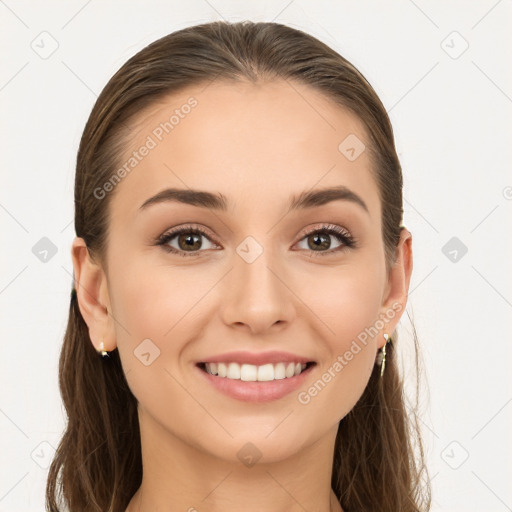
(256,391)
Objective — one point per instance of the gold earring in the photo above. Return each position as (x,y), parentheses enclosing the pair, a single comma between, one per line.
(381,357)
(102,350)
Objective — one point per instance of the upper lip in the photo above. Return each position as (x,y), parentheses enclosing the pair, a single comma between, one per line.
(257,358)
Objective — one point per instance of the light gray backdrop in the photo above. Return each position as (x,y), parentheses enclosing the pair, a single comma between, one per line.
(442,72)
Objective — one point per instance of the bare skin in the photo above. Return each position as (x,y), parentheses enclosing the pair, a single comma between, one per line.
(258,145)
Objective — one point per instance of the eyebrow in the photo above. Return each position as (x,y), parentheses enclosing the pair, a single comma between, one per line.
(217,201)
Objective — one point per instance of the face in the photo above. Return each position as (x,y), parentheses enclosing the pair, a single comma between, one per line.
(252,276)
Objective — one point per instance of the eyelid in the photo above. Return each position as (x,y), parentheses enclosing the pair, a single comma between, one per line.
(327,227)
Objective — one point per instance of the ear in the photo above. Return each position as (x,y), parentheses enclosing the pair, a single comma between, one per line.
(397,287)
(91,288)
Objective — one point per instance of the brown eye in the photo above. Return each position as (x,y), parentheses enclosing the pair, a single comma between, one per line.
(185,240)
(189,242)
(318,242)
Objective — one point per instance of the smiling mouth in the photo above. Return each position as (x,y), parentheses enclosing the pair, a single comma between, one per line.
(255,373)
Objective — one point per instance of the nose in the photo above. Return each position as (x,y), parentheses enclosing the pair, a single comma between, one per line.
(256,296)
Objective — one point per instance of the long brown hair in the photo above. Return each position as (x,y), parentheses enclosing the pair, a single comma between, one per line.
(378,461)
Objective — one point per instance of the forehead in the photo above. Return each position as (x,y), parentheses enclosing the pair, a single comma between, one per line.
(254,143)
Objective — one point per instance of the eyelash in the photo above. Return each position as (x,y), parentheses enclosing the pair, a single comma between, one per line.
(341,234)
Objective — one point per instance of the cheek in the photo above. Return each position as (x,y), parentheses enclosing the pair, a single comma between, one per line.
(347,304)
(346,300)
(154,322)
(155,302)
(158,311)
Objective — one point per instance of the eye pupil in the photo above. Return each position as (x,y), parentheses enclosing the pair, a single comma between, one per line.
(321,240)
(188,241)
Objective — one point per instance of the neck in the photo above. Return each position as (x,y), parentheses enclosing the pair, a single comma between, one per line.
(181,477)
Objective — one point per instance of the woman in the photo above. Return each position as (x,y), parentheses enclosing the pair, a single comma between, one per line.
(240,270)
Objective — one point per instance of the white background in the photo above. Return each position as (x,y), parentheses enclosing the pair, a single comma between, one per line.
(451,116)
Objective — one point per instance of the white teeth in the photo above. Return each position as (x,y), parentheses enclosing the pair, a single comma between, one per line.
(290,370)
(252,373)
(266,372)
(279,371)
(248,372)
(233,371)
(222,369)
